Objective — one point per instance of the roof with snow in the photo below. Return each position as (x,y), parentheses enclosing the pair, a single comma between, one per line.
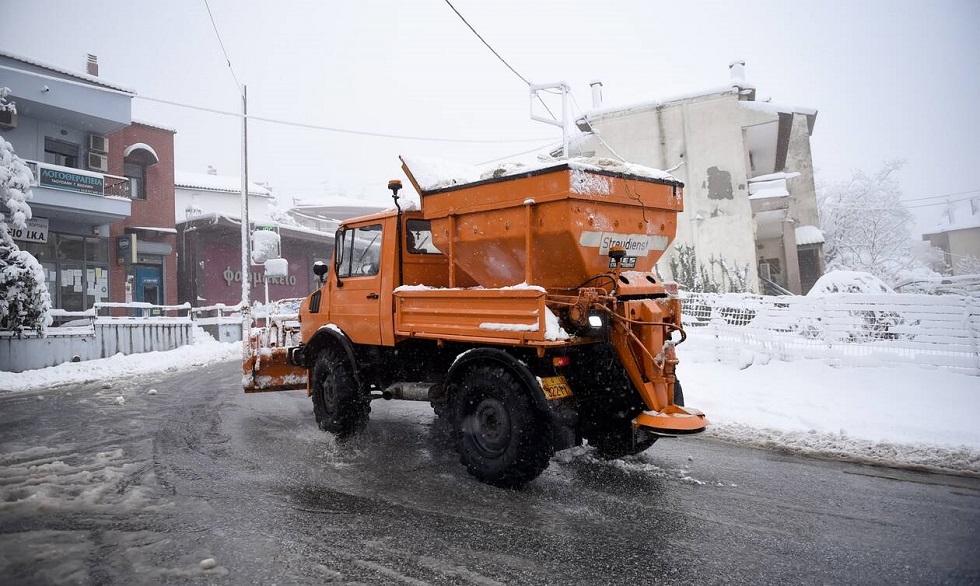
(92,79)
(154,125)
(808,235)
(222,183)
(968,223)
(583,123)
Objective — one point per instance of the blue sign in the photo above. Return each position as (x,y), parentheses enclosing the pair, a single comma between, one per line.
(60,179)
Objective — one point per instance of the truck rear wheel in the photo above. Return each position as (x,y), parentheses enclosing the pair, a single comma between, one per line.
(501,439)
(615,437)
(337,403)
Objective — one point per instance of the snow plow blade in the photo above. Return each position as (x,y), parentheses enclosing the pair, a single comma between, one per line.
(266,367)
(673,420)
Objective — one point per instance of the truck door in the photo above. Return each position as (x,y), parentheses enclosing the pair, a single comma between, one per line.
(355,304)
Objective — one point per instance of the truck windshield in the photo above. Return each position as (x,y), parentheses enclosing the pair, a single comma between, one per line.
(359,251)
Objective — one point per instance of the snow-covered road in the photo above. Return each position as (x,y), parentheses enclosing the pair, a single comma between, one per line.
(902,415)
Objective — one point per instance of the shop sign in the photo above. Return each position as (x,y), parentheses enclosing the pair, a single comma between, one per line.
(256,279)
(61,179)
(34,230)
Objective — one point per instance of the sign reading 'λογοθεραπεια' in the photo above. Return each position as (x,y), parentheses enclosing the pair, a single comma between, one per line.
(62,179)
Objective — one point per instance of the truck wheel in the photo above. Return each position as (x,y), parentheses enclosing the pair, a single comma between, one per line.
(615,440)
(337,404)
(678,394)
(500,437)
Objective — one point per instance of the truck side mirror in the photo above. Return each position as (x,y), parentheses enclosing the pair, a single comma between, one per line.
(320,270)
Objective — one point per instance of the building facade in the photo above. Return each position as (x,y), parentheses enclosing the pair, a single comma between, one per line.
(102,198)
(60,128)
(142,248)
(959,238)
(750,212)
(208,213)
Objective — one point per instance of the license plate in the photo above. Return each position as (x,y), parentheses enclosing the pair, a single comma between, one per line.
(555,387)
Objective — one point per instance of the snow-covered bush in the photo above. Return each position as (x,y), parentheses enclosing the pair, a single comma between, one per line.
(867,227)
(25,303)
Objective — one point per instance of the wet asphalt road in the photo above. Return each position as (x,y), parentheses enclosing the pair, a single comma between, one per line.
(95,492)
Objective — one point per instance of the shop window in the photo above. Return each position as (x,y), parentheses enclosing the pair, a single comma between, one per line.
(136,174)
(59,152)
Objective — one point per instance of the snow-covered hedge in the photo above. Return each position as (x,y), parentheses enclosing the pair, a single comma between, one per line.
(25,303)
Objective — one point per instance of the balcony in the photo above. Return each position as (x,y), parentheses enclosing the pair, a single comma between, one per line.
(78,196)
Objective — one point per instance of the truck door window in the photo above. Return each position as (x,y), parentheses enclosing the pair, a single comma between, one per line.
(418,238)
(359,251)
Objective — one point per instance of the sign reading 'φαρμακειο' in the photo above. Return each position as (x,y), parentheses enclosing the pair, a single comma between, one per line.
(34,230)
(60,179)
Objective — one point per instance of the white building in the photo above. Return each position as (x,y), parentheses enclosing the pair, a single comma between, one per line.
(958,236)
(750,205)
(210,193)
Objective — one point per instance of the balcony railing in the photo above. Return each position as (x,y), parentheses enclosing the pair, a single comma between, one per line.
(78,180)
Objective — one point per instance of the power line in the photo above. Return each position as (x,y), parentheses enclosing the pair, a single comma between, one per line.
(222,45)
(944,195)
(924,205)
(486,43)
(336,129)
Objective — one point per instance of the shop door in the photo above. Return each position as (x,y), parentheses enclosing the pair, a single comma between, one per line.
(71,293)
(149,286)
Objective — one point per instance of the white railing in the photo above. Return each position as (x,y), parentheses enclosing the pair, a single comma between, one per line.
(934,330)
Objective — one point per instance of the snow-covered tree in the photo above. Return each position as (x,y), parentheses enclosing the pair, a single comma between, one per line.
(866,226)
(25,303)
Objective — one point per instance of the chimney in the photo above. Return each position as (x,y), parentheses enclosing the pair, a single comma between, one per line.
(92,65)
(596,94)
(737,71)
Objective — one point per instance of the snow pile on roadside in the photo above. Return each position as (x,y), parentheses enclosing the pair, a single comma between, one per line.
(903,415)
(205,350)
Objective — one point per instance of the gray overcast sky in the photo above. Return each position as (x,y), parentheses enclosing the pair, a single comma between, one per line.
(891,79)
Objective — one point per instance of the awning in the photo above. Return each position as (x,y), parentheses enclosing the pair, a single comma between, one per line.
(143,152)
(151,229)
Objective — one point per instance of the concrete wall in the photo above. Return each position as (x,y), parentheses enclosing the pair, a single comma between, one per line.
(704,136)
(962,243)
(100,341)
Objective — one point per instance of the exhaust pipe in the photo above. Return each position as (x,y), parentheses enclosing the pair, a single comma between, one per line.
(409,391)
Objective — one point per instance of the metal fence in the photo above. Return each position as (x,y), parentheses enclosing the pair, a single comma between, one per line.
(934,330)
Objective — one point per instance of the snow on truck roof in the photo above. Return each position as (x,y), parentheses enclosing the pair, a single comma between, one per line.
(437,174)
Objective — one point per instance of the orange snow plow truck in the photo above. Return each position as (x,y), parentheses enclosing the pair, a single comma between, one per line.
(522,305)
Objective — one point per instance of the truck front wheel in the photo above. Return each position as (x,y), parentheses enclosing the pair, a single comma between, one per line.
(337,404)
(501,439)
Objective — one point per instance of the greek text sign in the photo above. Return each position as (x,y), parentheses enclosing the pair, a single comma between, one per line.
(61,179)
(35,230)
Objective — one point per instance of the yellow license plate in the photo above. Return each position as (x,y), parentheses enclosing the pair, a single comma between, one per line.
(555,387)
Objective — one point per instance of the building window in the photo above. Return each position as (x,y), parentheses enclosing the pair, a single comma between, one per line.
(59,152)
(136,174)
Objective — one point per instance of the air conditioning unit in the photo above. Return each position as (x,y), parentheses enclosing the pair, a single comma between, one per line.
(8,120)
(765,271)
(98,162)
(98,143)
